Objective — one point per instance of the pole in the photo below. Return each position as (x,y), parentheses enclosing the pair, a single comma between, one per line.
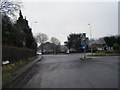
(31,24)
(54,49)
(91,38)
(84,53)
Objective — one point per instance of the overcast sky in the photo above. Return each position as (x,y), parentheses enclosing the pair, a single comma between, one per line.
(59,19)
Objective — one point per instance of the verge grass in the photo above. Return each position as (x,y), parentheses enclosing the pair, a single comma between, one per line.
(8,70)
(104,54)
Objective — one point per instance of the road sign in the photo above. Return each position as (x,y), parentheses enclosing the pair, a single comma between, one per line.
(84,46)
(84,43)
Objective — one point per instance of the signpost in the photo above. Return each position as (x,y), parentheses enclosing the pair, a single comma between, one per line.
(84,47)
(84,43)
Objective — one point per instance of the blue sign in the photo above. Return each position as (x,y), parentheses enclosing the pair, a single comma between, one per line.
(84,46)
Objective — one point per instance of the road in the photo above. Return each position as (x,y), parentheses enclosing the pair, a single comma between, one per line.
(68,71)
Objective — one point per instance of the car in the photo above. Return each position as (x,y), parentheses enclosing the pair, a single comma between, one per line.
(38,53)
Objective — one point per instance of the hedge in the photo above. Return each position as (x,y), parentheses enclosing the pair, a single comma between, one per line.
(14,53)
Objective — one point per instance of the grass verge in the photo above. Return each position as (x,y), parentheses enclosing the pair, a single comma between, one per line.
(8,70)
(104,54)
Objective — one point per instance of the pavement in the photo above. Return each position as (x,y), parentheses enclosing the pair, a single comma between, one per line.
(27,66)
(69,71)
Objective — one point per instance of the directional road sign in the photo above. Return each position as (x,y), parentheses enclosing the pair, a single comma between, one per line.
(84,46)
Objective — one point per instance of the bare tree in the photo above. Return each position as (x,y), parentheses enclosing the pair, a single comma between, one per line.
(9,6)
(56,44)
(55,40)
(41,38)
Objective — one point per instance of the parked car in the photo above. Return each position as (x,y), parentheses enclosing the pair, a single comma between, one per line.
(38,53)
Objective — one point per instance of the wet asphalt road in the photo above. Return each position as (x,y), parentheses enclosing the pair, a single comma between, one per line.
(68,71)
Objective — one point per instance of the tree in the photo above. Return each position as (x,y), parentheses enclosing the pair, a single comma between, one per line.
(116,46)
(56,44)
(113,41)
(17,34)
(41,38)
(9,7)
(74,42)
(8,32)
(110,40)
(24,33)
(100,41)
(118,39)
(55,40)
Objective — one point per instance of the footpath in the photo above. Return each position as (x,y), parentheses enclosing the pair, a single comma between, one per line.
(27,66)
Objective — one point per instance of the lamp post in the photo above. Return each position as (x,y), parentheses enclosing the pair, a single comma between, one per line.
(32,23)
(90,37)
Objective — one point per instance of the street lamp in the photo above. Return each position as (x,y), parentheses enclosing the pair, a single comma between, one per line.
(90,37)
(32,23)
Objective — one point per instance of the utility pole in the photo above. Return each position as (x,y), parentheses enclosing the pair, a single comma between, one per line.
(90,37)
